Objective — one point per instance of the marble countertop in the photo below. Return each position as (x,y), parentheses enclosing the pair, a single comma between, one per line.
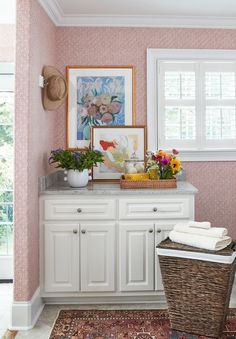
(183,187)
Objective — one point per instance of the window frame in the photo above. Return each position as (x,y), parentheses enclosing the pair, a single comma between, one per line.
(154,56)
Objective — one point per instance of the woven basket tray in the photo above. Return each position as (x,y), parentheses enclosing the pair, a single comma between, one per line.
(170,183)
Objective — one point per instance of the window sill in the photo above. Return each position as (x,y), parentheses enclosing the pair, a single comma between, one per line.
(208,155)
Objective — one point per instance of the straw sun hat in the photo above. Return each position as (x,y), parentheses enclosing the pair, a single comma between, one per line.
(55,88)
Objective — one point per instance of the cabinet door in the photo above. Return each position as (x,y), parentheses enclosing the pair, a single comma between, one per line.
(136,256)
(161,233)
(61,257)
(97,257)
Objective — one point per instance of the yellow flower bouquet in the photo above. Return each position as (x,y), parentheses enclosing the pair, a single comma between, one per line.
(164,165)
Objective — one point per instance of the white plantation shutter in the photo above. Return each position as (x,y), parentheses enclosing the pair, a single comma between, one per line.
(196,104)
(219,104)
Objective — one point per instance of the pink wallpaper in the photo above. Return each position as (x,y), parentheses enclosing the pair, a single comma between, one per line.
(216,200)
(37,131)
(34,137)
(7,43)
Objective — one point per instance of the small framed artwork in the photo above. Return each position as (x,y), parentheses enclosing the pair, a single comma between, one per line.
(117,145)
(98,96)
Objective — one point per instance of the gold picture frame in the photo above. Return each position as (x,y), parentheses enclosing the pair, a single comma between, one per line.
(98,95)
(117,142)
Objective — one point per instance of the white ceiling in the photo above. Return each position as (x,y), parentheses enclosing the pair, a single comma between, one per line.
(181,13)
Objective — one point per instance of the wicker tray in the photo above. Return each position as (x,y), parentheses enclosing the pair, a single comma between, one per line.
(129,184)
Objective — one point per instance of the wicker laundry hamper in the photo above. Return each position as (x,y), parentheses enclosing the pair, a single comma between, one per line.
(198,285)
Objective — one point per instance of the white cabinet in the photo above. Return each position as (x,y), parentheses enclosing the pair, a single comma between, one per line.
(77,209)
(161,233)
(154,208)
(102,248)
(66,255)
(97,257)
(136,256)
(61,255)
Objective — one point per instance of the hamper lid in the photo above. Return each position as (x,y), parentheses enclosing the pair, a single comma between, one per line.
(173,249)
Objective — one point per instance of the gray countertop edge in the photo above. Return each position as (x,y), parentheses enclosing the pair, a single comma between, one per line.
(102,188)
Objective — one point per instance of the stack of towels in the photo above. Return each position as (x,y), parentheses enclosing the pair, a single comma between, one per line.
(201,235)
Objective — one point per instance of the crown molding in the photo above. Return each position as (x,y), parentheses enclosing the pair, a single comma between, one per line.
(53,10)
(146,21)
(60,19)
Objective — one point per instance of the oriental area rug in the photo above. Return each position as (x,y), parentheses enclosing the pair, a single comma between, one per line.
(154,324)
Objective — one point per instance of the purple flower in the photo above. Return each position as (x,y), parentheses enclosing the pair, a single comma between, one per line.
(50,160)
(76,155)
(56,151)
(164,161)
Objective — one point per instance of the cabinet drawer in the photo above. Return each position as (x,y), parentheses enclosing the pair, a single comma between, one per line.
(69,209)
(154,208)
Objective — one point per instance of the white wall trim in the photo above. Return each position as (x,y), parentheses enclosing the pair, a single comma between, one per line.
(54,11)
(26,313)
(208,155)
(154,55)
(146,21)
(194,54)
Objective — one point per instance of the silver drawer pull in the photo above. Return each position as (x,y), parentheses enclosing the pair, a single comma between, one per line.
(158,230)
(151,230)
(154,209)
(83,231)
(75,231)
(79,210)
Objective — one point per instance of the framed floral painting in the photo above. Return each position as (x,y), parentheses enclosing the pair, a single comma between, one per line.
(98,96)
(117,144)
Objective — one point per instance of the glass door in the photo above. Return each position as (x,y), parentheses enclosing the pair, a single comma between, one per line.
(6,170)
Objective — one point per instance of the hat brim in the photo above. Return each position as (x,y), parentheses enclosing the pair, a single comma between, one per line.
(48,104)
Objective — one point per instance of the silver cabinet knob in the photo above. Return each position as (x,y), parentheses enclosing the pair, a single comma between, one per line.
(151,230)
(75,231)
(158,230)
(154,209)
(79,210)
(83,231)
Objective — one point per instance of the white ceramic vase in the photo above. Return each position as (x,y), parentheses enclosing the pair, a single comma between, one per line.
(76,178)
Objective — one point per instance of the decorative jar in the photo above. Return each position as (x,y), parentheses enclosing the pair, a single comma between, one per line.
(133,166)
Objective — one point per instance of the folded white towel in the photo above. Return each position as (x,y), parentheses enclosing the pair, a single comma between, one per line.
(216,232)
(207,243)
(202,224)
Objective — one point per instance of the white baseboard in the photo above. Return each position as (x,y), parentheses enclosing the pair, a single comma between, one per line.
(26,313)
